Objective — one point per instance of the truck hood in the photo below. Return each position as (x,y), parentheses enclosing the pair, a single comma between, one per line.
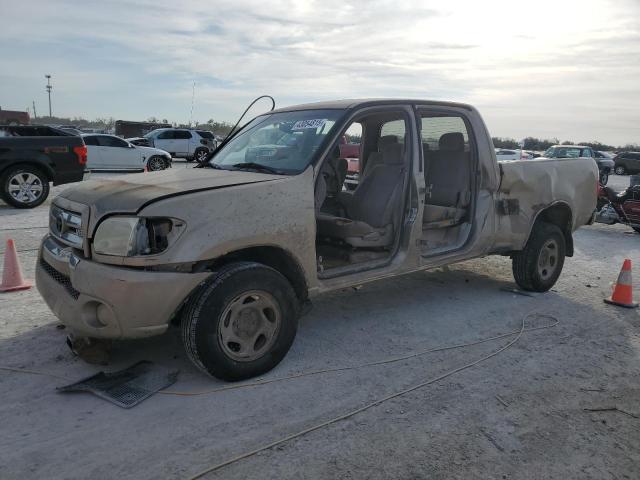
(135,191)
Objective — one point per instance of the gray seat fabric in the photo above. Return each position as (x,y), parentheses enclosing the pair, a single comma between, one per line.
(447,181)
(375,158)
(371,209)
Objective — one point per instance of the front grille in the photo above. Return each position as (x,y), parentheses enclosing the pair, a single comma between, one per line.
(61,278)
(66,226)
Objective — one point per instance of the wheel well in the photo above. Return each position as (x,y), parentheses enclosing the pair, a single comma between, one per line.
(273,257)
(42,168)
(559,214)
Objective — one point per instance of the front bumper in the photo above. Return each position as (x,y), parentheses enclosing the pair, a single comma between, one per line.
(104,301)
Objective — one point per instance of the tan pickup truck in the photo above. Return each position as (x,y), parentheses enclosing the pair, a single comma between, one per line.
(234,251)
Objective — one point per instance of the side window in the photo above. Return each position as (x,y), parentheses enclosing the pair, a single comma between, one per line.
(108,141)
(394,128)
(439,129)
(93,141)
(181,134)
(166,135)
(350,148)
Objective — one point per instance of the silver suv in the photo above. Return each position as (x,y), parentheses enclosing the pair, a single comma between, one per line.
(183,142)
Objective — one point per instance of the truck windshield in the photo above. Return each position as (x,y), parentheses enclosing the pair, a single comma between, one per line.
(283,142)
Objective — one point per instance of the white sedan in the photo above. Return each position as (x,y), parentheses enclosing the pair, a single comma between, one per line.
(108,152)
(516,154)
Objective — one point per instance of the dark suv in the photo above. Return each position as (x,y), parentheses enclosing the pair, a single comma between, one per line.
(627,162)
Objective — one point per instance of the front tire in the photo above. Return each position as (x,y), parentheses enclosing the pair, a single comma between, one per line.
(241,323)
(24,186)
(201,155)
(538,266)
(620,170)
(156,163)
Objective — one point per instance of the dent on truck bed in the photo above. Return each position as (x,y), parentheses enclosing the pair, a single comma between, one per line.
(538,185)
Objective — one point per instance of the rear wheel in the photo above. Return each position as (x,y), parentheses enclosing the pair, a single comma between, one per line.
(620,170)
(537,267)
(24,186)
(241,323)
(604,178)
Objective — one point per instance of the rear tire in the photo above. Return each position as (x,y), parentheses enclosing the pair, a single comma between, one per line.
(537,267)
(620,170)
(24,186)
(604,178)
(241,323)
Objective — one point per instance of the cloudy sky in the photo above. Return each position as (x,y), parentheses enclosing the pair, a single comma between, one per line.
(549,68)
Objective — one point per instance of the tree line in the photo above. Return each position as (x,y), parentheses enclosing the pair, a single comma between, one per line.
(223,128)
(537,144)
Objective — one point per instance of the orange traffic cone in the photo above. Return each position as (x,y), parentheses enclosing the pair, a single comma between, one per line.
(12,275)
(623,289)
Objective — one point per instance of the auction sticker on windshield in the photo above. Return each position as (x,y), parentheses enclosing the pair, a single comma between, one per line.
(304,124)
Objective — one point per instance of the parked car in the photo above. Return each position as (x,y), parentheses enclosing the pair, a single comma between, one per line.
(183,142)
(108,152)
(234,250)
(627,163)
(517,154)
(580,151)
(140,141)
(31,156)
(605,163)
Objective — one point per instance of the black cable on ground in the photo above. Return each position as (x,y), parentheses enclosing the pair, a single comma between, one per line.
(369,405)
(362,365)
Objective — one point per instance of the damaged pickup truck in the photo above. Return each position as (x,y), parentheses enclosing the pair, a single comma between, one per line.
(234,252)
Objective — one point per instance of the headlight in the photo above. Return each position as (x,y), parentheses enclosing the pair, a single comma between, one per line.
(136,236)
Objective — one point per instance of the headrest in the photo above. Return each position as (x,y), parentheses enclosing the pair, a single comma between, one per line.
(453,141)
(392,154)
(387,140)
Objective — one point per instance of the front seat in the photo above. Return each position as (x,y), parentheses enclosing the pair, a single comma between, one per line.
(370,212)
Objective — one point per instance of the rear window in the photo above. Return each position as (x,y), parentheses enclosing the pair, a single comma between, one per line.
(205,134)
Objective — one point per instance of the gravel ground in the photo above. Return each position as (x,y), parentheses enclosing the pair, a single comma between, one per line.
(521,414)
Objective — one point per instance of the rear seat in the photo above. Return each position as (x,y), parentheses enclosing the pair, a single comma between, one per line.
(447,182)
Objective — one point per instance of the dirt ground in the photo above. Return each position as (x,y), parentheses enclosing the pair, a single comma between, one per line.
(523,414)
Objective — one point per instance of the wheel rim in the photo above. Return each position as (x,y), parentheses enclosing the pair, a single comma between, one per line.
(249,326)
(619,170)
(201,156)
(155,163)
(548,259)
(25,187)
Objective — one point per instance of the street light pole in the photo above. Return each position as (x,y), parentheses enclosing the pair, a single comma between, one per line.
(49,87)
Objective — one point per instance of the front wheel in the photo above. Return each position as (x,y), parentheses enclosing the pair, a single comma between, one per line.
(201,155)
(156,163)
(241,323)
(620,170)
(538,266)
(24,187)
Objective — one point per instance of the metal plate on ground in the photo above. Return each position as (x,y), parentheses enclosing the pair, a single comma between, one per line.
(128,387)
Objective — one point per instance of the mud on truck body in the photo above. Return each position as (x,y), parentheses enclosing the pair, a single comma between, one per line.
(235,251)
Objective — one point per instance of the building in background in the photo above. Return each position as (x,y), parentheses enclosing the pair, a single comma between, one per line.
(13,117)
(128,129)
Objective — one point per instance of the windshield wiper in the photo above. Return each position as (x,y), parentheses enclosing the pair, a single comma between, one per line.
(256,166)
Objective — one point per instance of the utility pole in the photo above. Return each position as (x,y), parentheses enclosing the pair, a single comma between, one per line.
(34,110)
(193,94)
(49,87)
